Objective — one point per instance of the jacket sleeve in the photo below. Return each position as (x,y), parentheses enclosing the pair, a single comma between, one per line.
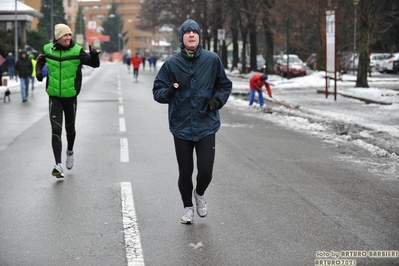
(223,86)
(91,59)
(161,85)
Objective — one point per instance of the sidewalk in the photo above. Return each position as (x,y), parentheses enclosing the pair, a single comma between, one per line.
(15,86)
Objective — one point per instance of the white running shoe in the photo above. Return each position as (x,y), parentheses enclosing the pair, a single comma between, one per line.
(188,216)
(202,207)
(57,171)
(69,160)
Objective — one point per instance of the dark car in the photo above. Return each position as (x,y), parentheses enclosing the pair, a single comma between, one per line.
(395,67)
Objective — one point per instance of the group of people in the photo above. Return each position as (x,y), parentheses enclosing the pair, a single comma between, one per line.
(22,69)
(193,83)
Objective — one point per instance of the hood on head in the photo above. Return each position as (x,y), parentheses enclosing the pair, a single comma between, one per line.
(189,25)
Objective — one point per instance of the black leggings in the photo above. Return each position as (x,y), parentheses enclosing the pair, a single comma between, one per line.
(59,107)
(205,151)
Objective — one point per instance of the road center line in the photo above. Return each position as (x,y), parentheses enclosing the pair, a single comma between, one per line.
(124,150)
(122,124)
(134,252)
(121,110)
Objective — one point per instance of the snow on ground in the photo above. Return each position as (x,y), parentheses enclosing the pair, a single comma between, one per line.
(362,122)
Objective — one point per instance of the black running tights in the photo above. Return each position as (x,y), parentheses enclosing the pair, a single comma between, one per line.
(59,107)
(205,151)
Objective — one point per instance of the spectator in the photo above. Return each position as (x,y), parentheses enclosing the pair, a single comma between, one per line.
(33,76)
(10,59)
(23,70)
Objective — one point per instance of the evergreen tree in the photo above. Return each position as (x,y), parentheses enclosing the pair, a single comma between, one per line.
(53,13)
(112,26)
(36,40)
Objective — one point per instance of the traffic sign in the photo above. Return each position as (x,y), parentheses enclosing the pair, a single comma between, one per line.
(221,34)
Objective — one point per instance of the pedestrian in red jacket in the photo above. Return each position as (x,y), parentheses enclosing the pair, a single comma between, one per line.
(255,84)
(136,61)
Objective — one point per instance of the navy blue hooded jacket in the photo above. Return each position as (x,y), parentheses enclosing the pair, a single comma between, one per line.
(201,78)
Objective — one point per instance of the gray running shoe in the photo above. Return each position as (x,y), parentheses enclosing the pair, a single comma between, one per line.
(57,171)
(188,216)
(202,207)
(69,160)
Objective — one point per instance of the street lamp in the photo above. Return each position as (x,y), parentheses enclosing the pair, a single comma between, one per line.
(355,3)
(16,31)
(119,36)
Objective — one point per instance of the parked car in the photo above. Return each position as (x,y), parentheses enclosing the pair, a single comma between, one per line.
(311,61)
(387,64)
(350,62)
(376,58)
(260,63)
(296,66)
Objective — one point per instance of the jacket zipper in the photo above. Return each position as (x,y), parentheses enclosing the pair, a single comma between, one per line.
(60,82)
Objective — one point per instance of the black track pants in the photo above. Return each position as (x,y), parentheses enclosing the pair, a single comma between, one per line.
(59,107)
(205,151)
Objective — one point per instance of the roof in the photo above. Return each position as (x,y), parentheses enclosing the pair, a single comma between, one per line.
(8,7)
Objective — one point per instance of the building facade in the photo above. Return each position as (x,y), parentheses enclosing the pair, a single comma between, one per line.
(139,41)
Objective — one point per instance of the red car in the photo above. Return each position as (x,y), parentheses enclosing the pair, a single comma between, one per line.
(296,67)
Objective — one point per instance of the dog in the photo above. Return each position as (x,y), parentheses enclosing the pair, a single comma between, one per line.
(7,94)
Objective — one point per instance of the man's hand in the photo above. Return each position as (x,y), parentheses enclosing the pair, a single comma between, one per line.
(213,104)
(173,89)
(94,51)
(39,76)
(41,59)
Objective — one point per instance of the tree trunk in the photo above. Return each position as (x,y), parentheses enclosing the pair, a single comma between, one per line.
(269,44)
(234,35)
(253,45)
(364,39)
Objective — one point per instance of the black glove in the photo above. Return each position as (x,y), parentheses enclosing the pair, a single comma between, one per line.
(94,51)
(41,59)
(172,90)
(39,76)
(213,104)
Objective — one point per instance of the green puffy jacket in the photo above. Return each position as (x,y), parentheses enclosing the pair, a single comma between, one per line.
(64,65)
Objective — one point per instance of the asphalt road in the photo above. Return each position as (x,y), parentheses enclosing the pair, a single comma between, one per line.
(277,197)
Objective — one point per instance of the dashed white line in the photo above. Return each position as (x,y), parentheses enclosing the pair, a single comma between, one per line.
(121,110)
(124,150)
(134,252)
(122,124)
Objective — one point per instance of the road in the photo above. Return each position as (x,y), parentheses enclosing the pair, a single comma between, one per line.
(278,197)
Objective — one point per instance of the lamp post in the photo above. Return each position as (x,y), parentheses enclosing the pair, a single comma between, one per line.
(355,3)
(16,31)
(119,36)
(52,21)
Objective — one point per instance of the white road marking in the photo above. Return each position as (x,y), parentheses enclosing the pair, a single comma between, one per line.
(124,150)
(122,124)
(120,99)
(134,252)
(121,110)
